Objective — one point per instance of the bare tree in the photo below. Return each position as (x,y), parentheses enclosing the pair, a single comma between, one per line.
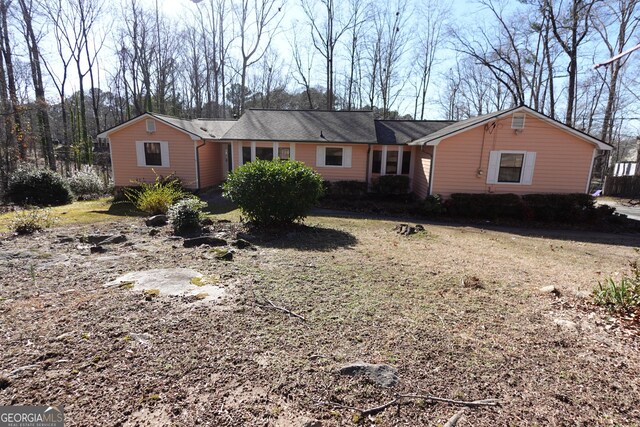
(26,7)
(570,27)
(256,19)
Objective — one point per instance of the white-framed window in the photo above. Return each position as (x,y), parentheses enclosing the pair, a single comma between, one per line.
(511,167)
(333,156)
(151,125)
(517,121)
(152,153)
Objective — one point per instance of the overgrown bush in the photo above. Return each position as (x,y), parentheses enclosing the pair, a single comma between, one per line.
(345,189)
(391,185)
(485,206)
(31,220)
(41,187)
(620,296)
(185,214)
(156,198)
(576,207)
(432,205)
(86,184)
(274,191)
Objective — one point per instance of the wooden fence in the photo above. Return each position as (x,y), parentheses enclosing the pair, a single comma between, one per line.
(622,186)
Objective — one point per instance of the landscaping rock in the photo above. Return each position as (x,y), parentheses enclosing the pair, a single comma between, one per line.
(382,375)
(97,249)
(223,254)
(204,240)
(153,232)
(157,221)
(241,244)
(64,239)
(406,229)
(566,324)
(167,281)
(119,238)
(4,382)
(550,290)
(206,222)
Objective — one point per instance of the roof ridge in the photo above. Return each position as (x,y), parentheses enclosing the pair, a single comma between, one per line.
(309,110)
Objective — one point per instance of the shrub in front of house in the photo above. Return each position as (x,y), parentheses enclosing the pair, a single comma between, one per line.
(389,185)
(271,192)
(185,215)
(432,206)
(485,206)
(575,207)
(345,189)
(41,187)
(156,198)
(86,184)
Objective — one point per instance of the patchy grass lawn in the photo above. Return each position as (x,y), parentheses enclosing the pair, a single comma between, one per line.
(457,310)
(84,212)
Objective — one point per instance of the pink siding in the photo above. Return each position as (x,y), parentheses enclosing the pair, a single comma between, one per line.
(211,163)
(562,165)
(124,159)
(421,170)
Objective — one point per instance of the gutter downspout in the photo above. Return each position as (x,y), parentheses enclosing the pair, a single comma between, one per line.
(198,147)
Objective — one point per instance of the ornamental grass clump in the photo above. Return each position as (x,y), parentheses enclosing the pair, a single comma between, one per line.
(29,221)
(621,296)
(156,198)
(274,192)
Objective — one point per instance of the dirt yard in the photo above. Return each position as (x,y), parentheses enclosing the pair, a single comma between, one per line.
(456,310)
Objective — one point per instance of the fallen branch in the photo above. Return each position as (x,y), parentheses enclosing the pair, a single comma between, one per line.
(400,397)
(271,305)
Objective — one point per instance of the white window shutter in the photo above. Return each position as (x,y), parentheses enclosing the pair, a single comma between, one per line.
(527,170)
(494,167)
(292,151)
(164,152)
(320,156)
(346,157)
(140,153)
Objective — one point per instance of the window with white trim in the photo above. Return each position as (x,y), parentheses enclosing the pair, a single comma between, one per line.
(333,156)
(152,153)
(151,125)
(511,167)
(284,153)
(264,153)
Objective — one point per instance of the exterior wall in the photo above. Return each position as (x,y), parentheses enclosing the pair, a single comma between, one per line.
(306,153)
(421,171)
(125,163)
(563,161)
(211,163)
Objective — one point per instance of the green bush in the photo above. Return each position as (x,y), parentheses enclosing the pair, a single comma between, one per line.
(576,207)
(485,206)
(185,214)
(30,220)
(41,187)
(156,198)
(345,189)
(274,192)
(87,184)
(391,185)
(432,205)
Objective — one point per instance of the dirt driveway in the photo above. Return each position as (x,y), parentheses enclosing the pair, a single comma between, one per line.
(456,310)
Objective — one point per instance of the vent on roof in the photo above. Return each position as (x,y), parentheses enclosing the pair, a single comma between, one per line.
(151,125)
(517,121)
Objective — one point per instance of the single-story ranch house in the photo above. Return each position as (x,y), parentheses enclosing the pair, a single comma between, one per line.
(514,151)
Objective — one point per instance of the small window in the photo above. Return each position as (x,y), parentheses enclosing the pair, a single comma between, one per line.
(153,154)
(510,167)
(406,162)
(377,161)
(333,156)
(517,121)
(392,163)
(264,153)
(246,154)
(284,153)
(151,125)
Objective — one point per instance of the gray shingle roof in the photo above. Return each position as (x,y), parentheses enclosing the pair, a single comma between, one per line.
(405,131)
(204,128)
(305,126)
